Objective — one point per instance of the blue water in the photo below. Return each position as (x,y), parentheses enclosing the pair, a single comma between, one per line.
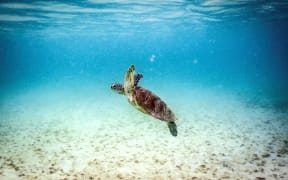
(238,45)
(221,66)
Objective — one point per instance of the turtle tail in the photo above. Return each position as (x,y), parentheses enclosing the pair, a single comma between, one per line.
(173,128)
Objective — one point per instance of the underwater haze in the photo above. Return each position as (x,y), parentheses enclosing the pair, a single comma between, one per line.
(221,66)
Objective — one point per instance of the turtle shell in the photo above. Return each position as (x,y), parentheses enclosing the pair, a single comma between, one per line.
(152,104)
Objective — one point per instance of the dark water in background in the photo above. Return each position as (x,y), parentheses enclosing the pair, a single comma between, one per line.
(237,45)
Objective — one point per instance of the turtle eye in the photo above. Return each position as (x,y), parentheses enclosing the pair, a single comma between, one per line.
(113,86)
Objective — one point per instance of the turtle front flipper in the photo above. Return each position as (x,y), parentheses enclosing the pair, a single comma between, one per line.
(129,80)
(137,78)
(173,128)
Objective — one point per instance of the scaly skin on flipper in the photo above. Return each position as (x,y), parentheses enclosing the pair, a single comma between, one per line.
(172,128)
(144,100)
(129,80)
(137,78)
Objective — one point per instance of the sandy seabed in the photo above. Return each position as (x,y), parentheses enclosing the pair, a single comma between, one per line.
(60,132)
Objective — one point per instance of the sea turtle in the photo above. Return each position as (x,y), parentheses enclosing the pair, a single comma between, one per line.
(144,100)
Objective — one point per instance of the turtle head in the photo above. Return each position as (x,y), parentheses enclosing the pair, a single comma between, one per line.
(118,88)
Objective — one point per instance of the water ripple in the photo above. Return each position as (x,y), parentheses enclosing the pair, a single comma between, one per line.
(114,15)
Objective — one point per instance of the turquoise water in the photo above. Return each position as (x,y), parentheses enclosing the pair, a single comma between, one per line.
(222,67)
(239,45)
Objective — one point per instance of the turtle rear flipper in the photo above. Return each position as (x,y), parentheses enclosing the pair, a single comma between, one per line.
(173,128)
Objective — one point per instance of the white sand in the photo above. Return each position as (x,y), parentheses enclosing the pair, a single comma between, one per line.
(68,132)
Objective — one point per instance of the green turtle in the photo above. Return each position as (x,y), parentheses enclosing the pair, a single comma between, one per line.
(144,100)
